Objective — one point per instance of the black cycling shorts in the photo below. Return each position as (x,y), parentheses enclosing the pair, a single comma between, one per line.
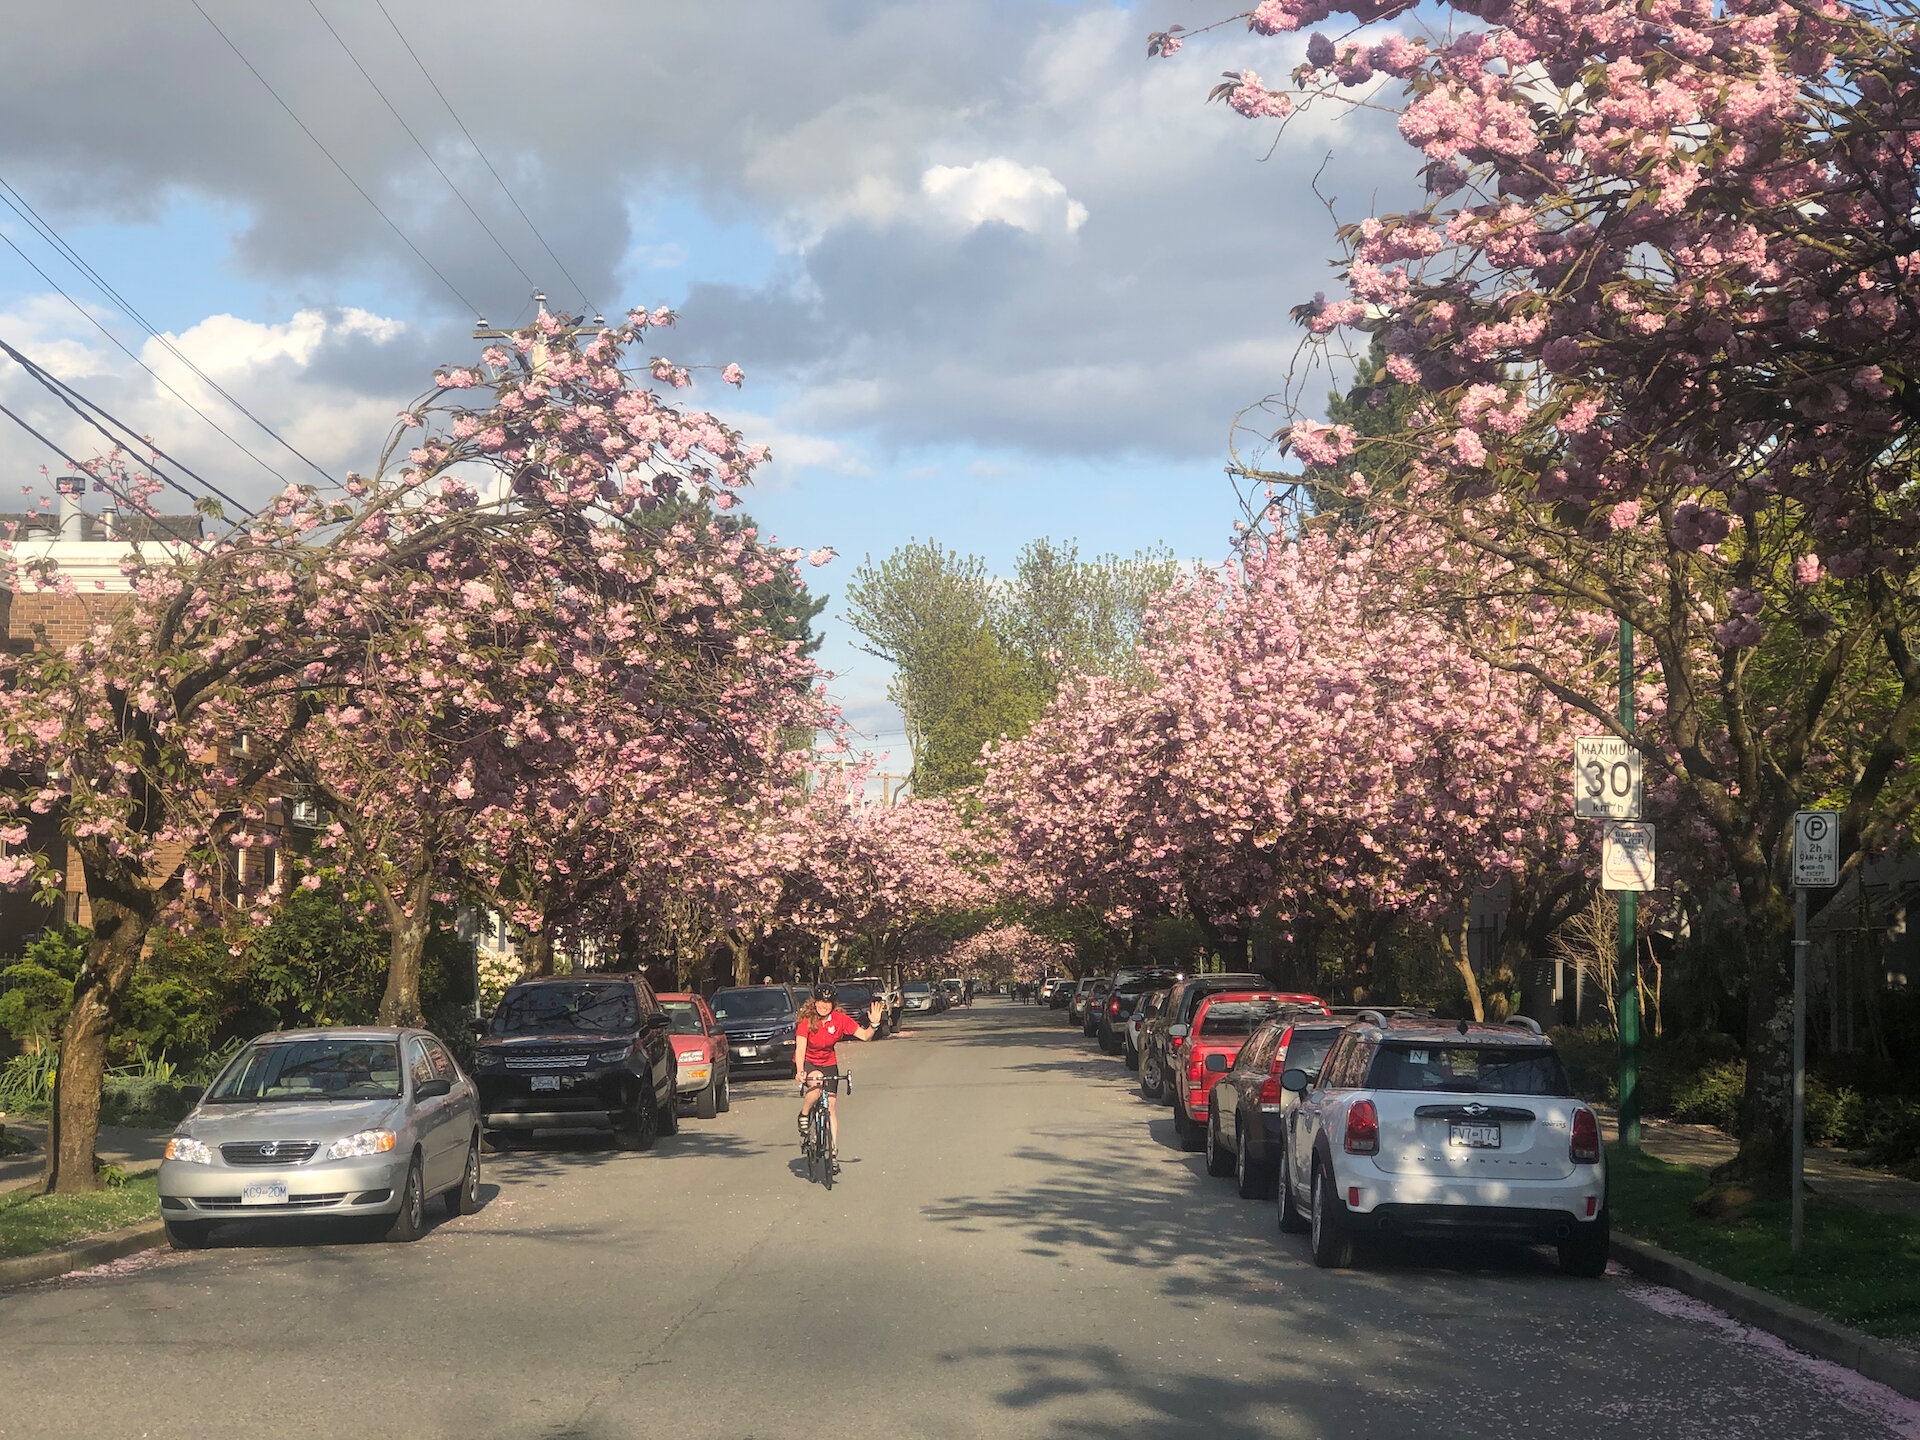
(832,1072)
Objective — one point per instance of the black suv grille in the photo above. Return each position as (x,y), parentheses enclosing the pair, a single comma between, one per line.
(270,1152)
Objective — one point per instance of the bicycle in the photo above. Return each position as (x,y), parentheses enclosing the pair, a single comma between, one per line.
(817,1144)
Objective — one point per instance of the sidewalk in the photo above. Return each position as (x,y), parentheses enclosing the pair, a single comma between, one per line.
(1829,1175)
(134,1151)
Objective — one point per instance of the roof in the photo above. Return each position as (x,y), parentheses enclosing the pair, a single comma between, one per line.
(115,526)
(1426,1028)
(341,1032)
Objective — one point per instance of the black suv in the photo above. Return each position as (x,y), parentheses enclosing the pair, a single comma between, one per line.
(577,1052)
(759,1022)
(1116,1006)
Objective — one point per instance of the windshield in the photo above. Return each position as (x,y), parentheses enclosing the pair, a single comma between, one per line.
(1235,1019)
(685,1018)
(1308,1049)
(1470,1070)
(768,1002)
(854,999)
(293,1070)
(916,987)
(583,1009)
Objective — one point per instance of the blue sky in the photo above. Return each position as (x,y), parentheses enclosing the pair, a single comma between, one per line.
(992,274)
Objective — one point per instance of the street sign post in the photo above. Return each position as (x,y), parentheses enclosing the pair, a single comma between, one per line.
(1606,779)
(1627,857)
(1816,863)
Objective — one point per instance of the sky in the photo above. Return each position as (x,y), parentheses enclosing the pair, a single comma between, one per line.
(991,272)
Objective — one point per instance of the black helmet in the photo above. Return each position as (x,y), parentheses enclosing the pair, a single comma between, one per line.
(823,992)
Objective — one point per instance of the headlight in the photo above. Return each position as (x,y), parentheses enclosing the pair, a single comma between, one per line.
(687,1057)
(367,1142)
(612,1057)
(185,1147)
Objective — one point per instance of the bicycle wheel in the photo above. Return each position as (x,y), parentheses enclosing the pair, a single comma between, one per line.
(820,1162)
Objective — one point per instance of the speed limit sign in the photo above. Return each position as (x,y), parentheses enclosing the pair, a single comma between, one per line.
(1606,779)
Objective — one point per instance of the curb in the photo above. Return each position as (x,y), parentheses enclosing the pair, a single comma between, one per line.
(1800,1327)
(82,1254)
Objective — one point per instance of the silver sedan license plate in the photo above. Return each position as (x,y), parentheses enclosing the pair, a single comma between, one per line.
(264,1192)
(546,1082)
(1475,1137)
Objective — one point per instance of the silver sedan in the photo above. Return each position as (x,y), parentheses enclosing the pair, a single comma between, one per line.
(356,1122)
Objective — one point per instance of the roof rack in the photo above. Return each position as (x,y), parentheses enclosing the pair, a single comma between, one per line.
(1372,1017)
(1525,1022)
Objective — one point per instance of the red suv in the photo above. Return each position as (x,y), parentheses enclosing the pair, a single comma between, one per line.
(1220,1027)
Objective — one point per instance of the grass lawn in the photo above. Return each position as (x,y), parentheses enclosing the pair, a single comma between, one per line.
(1855,1266)
(30,1223)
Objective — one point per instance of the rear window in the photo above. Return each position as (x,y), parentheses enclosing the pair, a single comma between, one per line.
(1235,1019)
(686,1019)
(1469,1070)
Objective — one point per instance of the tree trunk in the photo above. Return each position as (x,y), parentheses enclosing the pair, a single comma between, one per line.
(741,946)
(1463,962)
(119,933)
(539,957)
(401,1003)
(1766,1110)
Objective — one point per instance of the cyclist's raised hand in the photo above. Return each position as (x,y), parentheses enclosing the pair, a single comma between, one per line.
(874,1012)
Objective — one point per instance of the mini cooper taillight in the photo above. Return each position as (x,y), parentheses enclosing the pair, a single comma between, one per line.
(1363,1129)
(1585,1148)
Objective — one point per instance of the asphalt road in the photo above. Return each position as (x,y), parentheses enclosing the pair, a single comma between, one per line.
(1015,1248)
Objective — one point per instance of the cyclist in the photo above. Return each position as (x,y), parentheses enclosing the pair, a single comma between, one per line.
(821,1028)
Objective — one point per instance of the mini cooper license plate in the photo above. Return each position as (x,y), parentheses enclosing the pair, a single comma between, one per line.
(1475,1137)
(264,1192)
(552,1082)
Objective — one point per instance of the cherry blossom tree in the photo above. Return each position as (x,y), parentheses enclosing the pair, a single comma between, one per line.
(1660,297)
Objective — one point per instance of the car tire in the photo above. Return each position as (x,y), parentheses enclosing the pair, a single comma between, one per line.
(1192,1137)
(1331,1239)
(640,1126)
(188,1234)
(706,1104)
(723,1102)
(1291,1221)
(1250,1178)
(670,1114)
(409,1222)
(1133,1058)
(1587,1252)
(464,1198)
(498,1141)
(1219,1162)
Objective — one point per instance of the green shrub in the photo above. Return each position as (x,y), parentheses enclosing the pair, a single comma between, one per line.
(26,1083)
(148,1104)
(1712,1097)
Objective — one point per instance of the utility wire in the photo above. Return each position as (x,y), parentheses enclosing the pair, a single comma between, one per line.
(418,145)
(137,360)
(17,202)
(42,439)
(419,254)
(67,396)
(483,157)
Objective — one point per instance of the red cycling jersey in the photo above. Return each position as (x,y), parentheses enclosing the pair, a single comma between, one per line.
(823,1035)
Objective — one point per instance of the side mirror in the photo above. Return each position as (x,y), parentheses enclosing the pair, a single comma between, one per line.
(1176,1032)
(1216,1063)
(432,1089)
(478,1026)
(1295,1080)
(658,1020)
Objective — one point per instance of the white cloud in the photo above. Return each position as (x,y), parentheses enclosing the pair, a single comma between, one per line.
(1024,196)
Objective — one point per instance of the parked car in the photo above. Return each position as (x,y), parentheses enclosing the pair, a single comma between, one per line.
(919,997)
(1159,1047)
(855,993)
(1220,1027)
(1053,991)
(578,1052)
(1248,1109)
(758,1021)
(1077,997)
(1116,1007)
(1421,1127)
(1148,1006)
(358,1122)
(1091,1004)
(700,1050)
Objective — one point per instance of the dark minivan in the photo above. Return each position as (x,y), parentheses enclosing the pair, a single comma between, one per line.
(577,1052)
(758,1021)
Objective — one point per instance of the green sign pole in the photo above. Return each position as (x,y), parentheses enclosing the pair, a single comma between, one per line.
(1629,920)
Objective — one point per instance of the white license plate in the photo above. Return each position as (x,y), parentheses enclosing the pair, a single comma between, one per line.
(264,1192)
(1475,1137)
(747,1052)
(546,1082)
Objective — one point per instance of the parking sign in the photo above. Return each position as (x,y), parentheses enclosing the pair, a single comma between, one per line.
(1816,848)
(1626,857)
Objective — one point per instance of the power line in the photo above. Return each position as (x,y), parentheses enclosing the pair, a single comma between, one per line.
(315,7)
(67,396)
(42,439)
(135,358)
(483,157)
(17,202)
(453,289)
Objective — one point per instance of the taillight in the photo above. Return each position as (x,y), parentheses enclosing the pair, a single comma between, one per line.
(1585,1149)
(1363,1129)
(1197,1068)
(1113,1006)
(1270,1090)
